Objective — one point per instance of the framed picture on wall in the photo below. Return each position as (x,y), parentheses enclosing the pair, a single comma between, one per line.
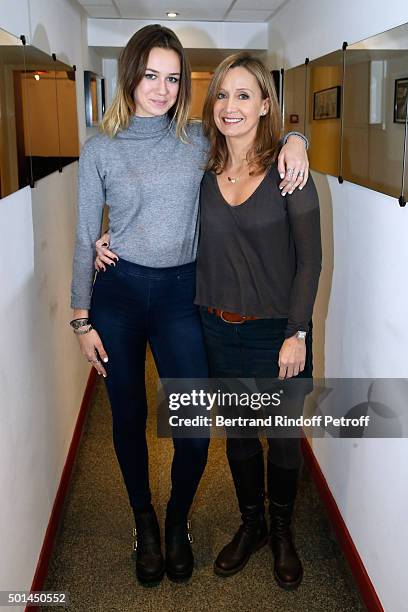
(326,103)
(400,100)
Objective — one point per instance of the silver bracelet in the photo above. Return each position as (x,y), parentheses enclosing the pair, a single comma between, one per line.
(299,134)
(81,332)
(80,322)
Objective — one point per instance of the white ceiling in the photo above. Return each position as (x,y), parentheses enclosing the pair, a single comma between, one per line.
(200,59)
(189,10)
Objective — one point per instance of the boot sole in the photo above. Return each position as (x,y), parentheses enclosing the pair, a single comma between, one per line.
(179,577)
(151,581)
(225,573)
(288,586)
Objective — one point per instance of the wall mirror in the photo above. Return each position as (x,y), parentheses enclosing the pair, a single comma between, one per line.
(375,103)
(94,86)
(52,125)
(324,89)
(14,171)
(38,114)
(294,100)
(355,113)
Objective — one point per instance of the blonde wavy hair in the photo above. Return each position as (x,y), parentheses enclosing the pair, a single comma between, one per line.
(265,147)
(131,69)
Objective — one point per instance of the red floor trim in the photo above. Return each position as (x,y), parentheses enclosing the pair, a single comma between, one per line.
(364,584)
(46,551)
(366,588)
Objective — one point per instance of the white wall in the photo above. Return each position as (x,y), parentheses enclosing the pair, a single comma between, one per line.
(360,313)
(312,29)
(42,375)
(195,35)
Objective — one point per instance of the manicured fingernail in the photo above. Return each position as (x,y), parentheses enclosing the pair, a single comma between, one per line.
(290,192)
(300,188)
(104,375)
(98,373)
(283,193)
(282,175)
(106,360)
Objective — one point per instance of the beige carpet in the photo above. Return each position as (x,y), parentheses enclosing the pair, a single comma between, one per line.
(92,556)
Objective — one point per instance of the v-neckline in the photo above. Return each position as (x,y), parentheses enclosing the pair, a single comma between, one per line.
(225,201)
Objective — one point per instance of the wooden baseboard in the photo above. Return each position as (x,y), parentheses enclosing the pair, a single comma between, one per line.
(364,584)
(48,545)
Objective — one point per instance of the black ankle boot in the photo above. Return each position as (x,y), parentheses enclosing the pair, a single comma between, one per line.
(282,485)
(248,476)
(147,549)
(179,555)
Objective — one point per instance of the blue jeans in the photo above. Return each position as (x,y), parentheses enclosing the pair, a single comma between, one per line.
(251,350)
(133,305)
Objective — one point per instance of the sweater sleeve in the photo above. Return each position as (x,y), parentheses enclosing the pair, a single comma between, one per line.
(90,203)
(304,217)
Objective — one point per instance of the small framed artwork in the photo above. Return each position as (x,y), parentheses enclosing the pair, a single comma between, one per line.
(294,118)
(326,103)
(400,100)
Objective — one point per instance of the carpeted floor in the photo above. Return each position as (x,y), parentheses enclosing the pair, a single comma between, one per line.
(92,556)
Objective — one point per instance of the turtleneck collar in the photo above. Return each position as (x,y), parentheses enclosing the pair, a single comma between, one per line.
(146,127)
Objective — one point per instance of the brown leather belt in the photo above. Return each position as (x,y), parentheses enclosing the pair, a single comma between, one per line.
(231,317)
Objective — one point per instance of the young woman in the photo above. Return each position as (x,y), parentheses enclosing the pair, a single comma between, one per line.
(258,267)
(147,165)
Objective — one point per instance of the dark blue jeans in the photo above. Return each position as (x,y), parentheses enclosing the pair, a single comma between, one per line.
(133,305)
(251,350)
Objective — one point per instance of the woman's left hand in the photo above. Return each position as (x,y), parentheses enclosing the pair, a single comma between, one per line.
(103,254)
(293,165)
(292,357)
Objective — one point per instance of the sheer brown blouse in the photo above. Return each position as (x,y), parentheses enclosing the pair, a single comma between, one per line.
(262,257)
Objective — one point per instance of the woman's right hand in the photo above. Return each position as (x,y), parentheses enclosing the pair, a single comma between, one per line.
(92,349)
(103,254)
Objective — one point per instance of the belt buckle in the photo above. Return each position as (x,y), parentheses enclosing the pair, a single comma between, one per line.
(232,322)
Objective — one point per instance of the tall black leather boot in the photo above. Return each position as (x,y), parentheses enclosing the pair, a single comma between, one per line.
(282,487)
(147,548)
(248,476)
(179,554)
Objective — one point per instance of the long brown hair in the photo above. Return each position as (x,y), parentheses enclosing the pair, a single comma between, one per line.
(263,152)
(131,69)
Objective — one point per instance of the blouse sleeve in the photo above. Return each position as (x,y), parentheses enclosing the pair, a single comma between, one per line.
(304,217)
(90,203)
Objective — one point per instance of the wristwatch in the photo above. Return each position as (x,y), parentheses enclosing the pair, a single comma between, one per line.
(301,335)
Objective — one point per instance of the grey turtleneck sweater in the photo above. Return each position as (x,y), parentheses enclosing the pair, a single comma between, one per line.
(150,181)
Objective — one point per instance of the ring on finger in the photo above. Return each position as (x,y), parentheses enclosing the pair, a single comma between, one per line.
(290,171)
(301,174)
(93,360)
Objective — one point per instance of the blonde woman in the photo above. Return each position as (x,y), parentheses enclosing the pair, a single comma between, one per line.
(258,268)
(147,165)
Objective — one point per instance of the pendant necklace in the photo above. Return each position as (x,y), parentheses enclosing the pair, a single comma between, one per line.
(234,179)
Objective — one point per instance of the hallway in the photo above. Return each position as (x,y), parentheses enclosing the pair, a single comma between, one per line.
(341,73)
(92,557)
